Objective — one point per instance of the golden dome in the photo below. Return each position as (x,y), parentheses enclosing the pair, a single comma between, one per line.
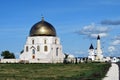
(42,28)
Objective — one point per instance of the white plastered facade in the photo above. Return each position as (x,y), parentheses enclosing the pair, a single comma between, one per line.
(91,54)
(42,49)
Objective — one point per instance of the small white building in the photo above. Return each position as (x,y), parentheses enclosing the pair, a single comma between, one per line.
(71,58)
(107,59)
(42,45)
(114,59)
(9,60)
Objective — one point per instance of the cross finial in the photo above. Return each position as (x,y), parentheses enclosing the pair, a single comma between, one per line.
(42,18)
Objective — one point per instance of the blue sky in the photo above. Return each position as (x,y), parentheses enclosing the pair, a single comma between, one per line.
(77,23)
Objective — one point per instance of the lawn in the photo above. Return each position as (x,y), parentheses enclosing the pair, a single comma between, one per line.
(83,71)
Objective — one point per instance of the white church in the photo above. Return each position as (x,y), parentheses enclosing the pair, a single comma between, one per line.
(42,45)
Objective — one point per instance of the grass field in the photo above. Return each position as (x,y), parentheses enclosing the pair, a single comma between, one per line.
(83,71)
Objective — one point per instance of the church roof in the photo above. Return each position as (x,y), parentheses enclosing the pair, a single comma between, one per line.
(91,47)
(42,28)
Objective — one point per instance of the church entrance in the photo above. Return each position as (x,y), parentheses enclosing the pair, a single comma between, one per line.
(33,56)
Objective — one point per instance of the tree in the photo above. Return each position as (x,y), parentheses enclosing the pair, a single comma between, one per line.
(7,55)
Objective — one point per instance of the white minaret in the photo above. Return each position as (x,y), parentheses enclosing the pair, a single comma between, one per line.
(99,52)
(91,53)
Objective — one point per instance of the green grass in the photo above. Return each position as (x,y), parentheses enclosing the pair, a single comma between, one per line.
(83,71)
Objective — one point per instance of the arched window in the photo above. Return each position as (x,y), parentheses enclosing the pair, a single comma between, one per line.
(57,51)
(26,48)
(38,48)
(45,48)
(32,41)
(33,51)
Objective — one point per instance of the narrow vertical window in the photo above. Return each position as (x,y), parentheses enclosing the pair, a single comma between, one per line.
(56,51)
(32,41)
(55,41)
(33,51)
(45,48)
(38,48)
(45,41)
(26,48)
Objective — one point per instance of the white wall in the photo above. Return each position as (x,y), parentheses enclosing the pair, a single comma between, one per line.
(51,42)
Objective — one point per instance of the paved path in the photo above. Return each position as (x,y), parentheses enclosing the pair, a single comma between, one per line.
(113,73)
(119,69)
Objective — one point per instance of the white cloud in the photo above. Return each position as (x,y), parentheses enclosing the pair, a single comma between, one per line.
(102,29)
(116,42)
(111,49)
(93,35)
(93,31)
(101,35)
(117,37)
(115,46)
